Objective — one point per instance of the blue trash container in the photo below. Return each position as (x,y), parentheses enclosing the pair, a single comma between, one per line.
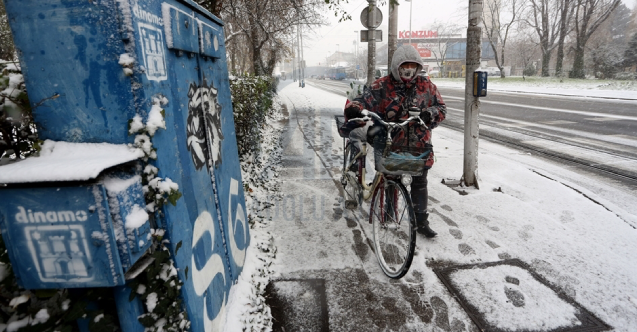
(108,61)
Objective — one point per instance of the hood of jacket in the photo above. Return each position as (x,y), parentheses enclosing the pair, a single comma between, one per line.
(405,53)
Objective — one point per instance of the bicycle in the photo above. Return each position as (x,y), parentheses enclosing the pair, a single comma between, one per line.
(391,210)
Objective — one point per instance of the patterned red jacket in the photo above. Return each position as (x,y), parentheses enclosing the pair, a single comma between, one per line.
(391,100)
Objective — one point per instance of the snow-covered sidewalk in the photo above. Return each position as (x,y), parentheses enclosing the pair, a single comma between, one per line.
(574,234)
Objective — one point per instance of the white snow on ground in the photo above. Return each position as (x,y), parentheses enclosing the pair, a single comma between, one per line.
(575,243)
(64,161)
(543,214)
(485,290)
(16,301)
(246,308)
(585,89)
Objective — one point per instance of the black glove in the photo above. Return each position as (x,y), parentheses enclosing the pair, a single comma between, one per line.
(353,112)
(426,116)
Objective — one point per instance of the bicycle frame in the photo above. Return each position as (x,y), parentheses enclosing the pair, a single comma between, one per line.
(391,199)
(368,190)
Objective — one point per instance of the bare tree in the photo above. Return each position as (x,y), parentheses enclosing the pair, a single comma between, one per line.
(499,17)
(545,20)
(266,27)
(524,50)
(447,32)
(213,6)
(7,50)
(605,53)
(566,16)
(589,15)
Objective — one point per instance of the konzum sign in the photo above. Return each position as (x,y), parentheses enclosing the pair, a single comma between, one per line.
(417,34)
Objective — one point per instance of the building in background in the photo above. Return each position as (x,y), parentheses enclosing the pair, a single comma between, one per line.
(444,56)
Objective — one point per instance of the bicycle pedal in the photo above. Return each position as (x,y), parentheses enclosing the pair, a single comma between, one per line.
(351,204)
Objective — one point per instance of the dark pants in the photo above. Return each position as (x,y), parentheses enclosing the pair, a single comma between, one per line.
(419,193)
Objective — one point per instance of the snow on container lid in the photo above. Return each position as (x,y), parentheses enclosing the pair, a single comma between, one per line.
(64,161)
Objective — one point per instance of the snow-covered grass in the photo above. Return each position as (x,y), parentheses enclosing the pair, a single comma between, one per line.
(553,85)
(549,82)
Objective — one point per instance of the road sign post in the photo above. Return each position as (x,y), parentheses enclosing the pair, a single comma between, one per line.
(371,17)
(366,35)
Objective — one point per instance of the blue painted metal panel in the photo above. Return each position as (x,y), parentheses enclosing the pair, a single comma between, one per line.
(198,148)
(60,237)
(128,311)
(71,48)
(180,27)
(227,171)
(125,195)
(211,40)
(184,157)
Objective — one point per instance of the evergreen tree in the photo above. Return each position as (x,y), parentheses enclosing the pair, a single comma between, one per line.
(630,56)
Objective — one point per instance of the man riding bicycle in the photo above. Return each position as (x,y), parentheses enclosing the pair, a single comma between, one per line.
(392,97)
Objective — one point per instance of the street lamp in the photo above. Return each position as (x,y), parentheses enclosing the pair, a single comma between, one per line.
(410,4)
(356,55)
(338,54)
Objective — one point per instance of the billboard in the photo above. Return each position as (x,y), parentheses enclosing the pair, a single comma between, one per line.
(430,50)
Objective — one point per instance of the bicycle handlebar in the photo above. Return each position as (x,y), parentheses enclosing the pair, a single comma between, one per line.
(392,124)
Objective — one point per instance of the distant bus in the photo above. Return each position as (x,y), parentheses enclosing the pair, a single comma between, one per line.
(336,73)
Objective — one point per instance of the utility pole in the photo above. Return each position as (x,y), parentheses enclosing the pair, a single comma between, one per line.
(411,2)
(371,42)
(293,62)
(302,59)
(356,55)
(471,103)
(392,35)
(298,50)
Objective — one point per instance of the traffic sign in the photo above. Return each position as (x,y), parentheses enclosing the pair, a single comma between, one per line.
(365,35)
(378,17)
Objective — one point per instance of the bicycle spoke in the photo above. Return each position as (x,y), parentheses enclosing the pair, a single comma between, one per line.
(394,229)
(402,214)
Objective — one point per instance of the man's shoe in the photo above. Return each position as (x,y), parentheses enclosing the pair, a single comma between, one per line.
(422,223)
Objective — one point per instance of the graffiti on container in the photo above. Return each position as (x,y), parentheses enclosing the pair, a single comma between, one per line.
(204,126)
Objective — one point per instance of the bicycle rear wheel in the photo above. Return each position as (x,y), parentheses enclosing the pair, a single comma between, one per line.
(350,178)
(394,228)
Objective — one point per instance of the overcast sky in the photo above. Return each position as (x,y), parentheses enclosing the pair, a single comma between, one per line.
(340,36)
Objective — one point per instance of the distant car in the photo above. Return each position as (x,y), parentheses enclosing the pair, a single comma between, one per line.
(493,71)
(434,73)
(321,77)
(380,72)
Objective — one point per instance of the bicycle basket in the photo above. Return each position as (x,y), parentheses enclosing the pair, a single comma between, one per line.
(400,159)
(344,128)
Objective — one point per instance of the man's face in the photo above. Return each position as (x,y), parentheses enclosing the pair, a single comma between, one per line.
(408,70)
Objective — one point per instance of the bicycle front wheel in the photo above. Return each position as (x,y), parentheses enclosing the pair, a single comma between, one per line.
(394,227)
